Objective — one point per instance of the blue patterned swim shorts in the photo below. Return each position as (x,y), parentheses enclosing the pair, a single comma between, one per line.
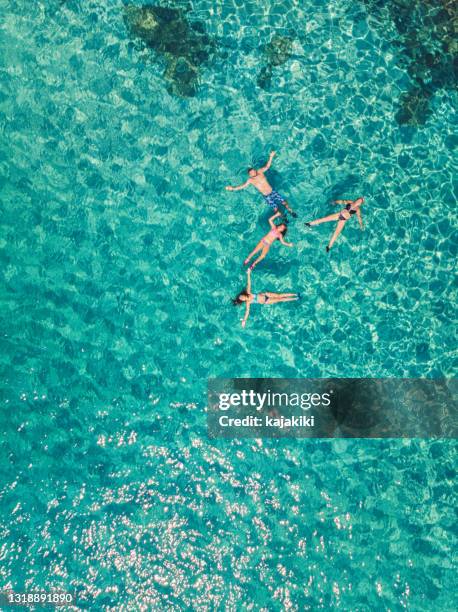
(274,199)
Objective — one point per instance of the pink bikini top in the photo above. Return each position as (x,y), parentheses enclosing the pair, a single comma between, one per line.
(273,234)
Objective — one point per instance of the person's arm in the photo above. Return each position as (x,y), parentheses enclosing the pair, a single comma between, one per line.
(248,280)
(239,187)
(283,241)
(271,219)
(269,162)
(247,314)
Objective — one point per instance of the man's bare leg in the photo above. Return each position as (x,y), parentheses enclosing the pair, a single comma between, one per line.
(289,209)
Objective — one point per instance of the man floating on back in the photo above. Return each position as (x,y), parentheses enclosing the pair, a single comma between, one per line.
(257,179)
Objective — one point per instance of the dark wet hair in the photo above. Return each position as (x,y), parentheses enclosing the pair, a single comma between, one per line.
(285,230)
(237,301)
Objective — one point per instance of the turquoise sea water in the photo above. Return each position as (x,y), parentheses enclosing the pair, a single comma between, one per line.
(120,251)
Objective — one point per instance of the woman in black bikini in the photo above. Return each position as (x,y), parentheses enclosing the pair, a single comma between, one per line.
(248,298)
(352,207)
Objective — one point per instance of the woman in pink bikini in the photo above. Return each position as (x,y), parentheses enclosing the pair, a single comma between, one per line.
(276,233)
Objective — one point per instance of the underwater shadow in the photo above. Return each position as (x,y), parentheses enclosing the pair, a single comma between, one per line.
(428,38)
(184,44)
(276,53)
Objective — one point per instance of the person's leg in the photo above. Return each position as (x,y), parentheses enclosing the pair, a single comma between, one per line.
(270,294)
(339,228)
(264,252)
(271,203)
(284,298)
(333,217)
(258,247)
(288,208)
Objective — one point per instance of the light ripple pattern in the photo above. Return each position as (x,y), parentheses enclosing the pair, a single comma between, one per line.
(120,251)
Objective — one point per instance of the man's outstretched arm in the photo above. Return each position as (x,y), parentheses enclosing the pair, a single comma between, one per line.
(238,187)
(269,162)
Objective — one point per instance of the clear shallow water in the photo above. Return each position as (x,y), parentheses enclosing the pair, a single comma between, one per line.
(119,252)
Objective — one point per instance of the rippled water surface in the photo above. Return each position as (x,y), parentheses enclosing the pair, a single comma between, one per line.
(120,251)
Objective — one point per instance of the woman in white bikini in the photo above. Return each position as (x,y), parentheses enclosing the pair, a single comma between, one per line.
(276,233)
(248,298)
(351,208)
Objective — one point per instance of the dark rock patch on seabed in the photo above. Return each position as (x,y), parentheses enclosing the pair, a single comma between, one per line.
(428,32)
(276,53)
(185,45)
